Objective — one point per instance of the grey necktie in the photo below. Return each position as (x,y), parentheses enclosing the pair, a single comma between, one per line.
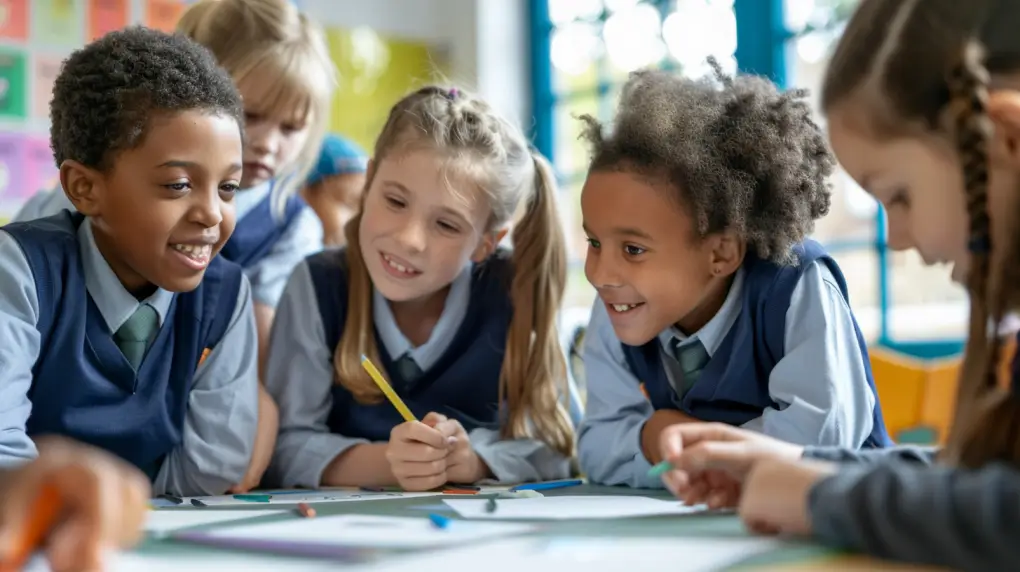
(692,359)
(407,369)
(134,336)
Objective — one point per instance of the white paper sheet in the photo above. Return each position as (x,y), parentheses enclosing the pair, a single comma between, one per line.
(205,562)
(370,531)
(570,507)
(587,554)
(164,521)
(295,497)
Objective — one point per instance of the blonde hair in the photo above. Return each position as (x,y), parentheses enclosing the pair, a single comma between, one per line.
(272,38)
(474,140)
(925,66)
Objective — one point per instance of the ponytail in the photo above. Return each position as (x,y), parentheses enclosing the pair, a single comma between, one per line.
(534,374)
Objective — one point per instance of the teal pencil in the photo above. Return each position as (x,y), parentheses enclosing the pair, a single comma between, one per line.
(660,469)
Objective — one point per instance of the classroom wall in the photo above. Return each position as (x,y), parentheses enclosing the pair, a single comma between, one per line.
(479,44)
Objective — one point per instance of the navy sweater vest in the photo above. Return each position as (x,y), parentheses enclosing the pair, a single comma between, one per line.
(82,385)
(463,384)
(734,386)
(259,230)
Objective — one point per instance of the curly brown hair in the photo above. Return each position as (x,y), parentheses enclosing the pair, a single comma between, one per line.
(741,155)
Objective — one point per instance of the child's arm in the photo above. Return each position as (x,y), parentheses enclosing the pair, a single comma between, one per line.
(610,437)
(920,455)
(820,383)
(958,518)
(269,277)
(518,460)
(219,429)
(19,313)
(299,376)
(104,502)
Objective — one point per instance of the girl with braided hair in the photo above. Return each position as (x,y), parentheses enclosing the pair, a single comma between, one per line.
(463,329)
(924,112)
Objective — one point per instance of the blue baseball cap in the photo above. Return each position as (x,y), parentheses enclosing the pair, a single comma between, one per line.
(339,156)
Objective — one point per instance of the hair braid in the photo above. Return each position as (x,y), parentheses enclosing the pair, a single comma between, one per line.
(987,425)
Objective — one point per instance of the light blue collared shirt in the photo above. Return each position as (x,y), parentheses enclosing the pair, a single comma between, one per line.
(299,376)
(267,277)
(820,384)
(219,429)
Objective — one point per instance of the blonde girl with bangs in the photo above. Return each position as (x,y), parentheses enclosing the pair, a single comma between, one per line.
(280,63)
(464,329)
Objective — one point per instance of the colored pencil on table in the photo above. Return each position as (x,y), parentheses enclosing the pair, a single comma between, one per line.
(44,512)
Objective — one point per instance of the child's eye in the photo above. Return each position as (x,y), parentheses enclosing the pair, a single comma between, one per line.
(229,188)
(594,243)
(178,187)
(900,197)
(632,250)
(447,227)
(395,202)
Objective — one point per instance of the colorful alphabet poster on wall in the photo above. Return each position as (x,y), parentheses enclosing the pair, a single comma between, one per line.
(14,19)
(59,22)
(106,16)
(13,99)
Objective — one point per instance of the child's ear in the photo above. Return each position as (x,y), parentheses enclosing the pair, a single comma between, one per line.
(488,244)
(726,253)
(81,184)
(1004,110)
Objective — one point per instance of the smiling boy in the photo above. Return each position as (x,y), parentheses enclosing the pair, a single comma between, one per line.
(121,327)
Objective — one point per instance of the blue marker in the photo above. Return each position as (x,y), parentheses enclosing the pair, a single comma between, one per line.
(547,486)
(439,521)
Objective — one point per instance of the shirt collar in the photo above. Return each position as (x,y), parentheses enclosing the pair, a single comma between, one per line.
(114,302)
(711,335)
(454,310)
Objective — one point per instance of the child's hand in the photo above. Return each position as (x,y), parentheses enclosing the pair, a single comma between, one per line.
(711,460)
(651,431)
(417,454)
(776,496)
(105,501)
(265,442)
(463,465)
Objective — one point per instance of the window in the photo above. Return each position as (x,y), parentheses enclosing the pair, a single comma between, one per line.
(582,52)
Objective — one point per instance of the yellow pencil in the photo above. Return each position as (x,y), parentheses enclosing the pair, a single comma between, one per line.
(387,390)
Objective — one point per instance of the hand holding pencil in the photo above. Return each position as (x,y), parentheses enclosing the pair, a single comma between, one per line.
(74,503)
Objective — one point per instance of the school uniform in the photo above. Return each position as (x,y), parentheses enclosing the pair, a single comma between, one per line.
(266,244)
(455,373)
(782,356)
(168,383)
(269,244)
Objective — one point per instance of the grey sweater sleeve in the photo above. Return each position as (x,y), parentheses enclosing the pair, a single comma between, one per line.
(963,519)
(922,455)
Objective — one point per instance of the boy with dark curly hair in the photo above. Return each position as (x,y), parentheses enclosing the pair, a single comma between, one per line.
(121,326)
(713,305)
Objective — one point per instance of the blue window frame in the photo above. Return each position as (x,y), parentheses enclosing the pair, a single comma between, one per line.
(764,42)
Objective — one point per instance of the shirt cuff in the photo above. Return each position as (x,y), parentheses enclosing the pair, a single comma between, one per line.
(317,452)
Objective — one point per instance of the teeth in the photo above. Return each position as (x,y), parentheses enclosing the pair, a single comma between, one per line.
(196,251)
(623,307)
(397,265)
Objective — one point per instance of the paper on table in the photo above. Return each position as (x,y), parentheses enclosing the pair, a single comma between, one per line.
(570,507)
(588,554)
(204,562)
(295,497)
(163,521)
(363,531)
